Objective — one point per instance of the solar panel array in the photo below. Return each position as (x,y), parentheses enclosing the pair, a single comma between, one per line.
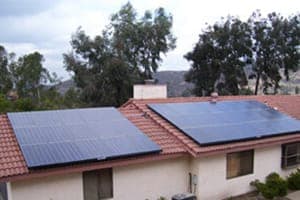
(226,121)
(67,136)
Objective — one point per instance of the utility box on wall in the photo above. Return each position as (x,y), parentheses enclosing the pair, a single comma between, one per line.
(184,196)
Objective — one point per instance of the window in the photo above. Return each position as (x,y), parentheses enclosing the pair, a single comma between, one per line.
(3,191)
(98,184)
(239,163)
(290,155)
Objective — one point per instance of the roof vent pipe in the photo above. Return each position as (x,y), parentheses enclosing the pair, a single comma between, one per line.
(214,97)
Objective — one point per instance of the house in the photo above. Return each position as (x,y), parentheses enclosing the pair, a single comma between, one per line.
(213,171)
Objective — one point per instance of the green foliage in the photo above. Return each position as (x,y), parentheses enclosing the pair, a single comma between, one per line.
(129,50)
(216,58)
(294,180)
(226,48)
(274,186)
(29,75)
(24,104)
(5,78)
(14,106)
(26,77)
(276,40)
(5,105)
(140,42)
(71,99)
(50,99)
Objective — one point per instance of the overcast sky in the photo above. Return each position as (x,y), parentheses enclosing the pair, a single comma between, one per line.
(47,25)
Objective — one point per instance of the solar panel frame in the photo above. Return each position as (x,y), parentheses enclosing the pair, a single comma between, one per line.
(198,120)
(61,137)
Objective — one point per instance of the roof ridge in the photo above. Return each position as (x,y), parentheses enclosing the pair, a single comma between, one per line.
(222,97)
(129,101)
(189,150)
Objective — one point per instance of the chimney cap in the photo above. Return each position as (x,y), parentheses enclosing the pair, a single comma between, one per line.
(150,82)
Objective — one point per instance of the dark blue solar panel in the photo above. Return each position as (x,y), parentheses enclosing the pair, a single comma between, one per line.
(226,121)
(67,136)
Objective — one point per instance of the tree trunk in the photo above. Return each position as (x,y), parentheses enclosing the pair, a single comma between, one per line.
(39,96)
(257,83)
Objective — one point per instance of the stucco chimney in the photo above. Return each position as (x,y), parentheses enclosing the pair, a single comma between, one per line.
(149,90)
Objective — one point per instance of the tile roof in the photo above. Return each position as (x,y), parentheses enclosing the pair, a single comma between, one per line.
(287,104)
(172,141)
(11,158)
(168,142)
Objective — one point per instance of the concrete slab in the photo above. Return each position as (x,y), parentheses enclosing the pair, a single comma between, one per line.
(294,195)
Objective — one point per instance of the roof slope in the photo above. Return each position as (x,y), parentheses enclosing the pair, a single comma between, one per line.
(12,161)
(286,104)
(172,141)
(168,142)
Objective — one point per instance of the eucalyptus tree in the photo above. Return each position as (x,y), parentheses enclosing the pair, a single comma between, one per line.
(129,50)
(219,57)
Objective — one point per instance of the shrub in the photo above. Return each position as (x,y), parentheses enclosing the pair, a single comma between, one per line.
(278,184)
(24,104)
(294,180)
(275,186)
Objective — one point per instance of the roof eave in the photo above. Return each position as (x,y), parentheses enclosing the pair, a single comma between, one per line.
(78,168)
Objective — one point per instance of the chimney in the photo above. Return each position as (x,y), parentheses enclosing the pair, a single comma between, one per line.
(149,90)
(214,97)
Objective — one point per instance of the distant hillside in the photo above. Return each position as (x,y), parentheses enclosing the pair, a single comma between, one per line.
(178,87)
(64,86)
(174,80)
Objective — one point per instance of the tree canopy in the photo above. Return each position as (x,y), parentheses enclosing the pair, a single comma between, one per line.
(24,84)
(231,52)
(129,50)
(5,78)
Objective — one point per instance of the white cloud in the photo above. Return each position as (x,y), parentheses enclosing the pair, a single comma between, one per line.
(49,31)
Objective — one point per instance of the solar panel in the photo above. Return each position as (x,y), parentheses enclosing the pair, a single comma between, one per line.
(66,136)
(226,121)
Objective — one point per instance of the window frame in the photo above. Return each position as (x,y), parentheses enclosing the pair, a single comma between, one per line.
(3,191)
(96,174)
(239,154)
(285,155)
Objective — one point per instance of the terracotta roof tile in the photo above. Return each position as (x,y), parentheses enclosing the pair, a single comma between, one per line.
(172,141)
(11,158)
(168,142)
(287,104)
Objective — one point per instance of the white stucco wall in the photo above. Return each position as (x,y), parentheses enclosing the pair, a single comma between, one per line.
(140,182)
(211,171)
(151,180)
(51,188)
(159,178)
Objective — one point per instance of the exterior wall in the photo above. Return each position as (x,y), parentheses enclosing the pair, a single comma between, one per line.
(143,181)
(150,181)
(50,188)
(212,182)
(149,91)
(161,178)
